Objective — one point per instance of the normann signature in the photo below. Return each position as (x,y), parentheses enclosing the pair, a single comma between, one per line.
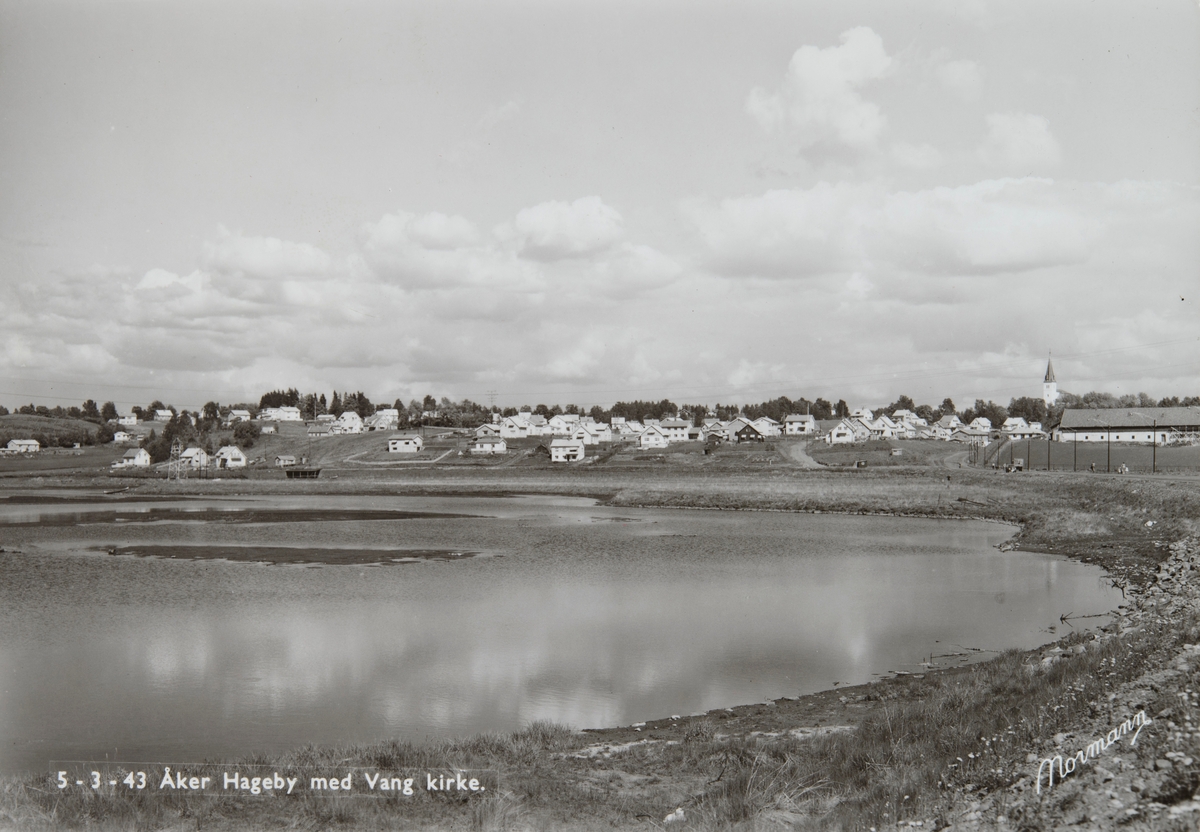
(1093,750)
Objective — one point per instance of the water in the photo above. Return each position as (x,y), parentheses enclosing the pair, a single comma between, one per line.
(509,610)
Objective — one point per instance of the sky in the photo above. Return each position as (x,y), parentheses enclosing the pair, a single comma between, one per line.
(586,202)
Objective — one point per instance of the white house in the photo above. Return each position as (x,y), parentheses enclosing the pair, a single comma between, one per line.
(486,430)
(348,422)
(566,450)
(863,413)
(592,433)
(386,418)
(122,436)
(195,457)
(676,430)
(514,427)
(24,446)
(163,415)
(230,456)
(767,426)
(285,461)
(563,424)
(798,424)
(652,437)
(134,458)
(280,414)
(981,423)
(489,445)
(237,416)
(129,421)
(409,443)
(538,426)
(950,422)
(841,434)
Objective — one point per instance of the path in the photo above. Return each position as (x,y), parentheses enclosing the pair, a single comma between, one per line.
(796,452)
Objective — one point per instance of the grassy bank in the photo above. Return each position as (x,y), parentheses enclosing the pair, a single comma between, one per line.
(905,749)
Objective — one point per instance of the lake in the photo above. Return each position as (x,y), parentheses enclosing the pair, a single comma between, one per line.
(350,619)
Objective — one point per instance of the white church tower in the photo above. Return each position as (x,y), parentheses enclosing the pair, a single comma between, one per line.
(1050,385)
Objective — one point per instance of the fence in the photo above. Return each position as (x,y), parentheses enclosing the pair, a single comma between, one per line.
(1041,455)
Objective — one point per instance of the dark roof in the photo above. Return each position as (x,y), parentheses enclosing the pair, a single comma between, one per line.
(1050,371)
(1130,417)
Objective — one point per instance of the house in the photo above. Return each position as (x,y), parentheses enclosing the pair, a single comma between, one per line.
(652,437)
(767,426)
(489,445)
(409,443)
(129,421)
(970,435)
(841,434)
(348,422)
(748,432)
(327,418)
(592,433)
(514,427)
(538,426)
(194,457)
(799,425)
(317,430)
(881,428)
(1145,425)
(122,436)
(134,458)
(285,461)
(566,450)
(981,423)
(676,430)
(949,423)
(230,456)
(563,424)
(23,446)
(386,418)
(163,415)
(863,413)
(696,434)
(266,429)
(237,416)
(280,414)
(486,430)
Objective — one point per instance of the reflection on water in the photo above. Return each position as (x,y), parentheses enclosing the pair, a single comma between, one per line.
(592,617)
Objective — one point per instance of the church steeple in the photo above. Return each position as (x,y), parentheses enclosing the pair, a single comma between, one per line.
(1050,385)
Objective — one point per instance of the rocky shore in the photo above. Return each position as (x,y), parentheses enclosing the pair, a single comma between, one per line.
(1142,781)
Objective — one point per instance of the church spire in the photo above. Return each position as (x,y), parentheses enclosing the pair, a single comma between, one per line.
(1050,371)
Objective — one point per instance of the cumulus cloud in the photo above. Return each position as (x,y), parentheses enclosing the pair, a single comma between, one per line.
(264,256)
(1019,143)
(987,228)
(917,156)
(555,230)
(820,99)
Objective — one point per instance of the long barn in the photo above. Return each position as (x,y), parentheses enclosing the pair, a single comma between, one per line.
(1143,425)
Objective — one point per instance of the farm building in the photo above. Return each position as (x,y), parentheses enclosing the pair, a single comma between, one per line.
(195,457)
(285,461)
(1144,425)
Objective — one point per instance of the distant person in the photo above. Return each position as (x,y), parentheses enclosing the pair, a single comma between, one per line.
(1093,467)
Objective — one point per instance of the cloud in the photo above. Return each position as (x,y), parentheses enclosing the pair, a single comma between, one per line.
(263,256)
(819,99)
(1019,143)
(556,230)
(917,156)
(961,77)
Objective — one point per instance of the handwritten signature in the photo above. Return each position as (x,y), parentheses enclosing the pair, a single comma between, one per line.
(1093,750)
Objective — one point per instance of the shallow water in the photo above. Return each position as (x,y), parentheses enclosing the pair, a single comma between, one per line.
(564,610)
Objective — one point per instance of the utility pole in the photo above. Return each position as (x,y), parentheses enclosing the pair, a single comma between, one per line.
(1075,445)
(1108,439)
(1154,448)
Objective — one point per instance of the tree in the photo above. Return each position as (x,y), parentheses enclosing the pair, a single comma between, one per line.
(843,409)
(90,411)
(821,409)
(1029,408)
(3,410)
(245,434)
(947,408)
(902,403)
(335,404)
(108,412)
(104,434)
